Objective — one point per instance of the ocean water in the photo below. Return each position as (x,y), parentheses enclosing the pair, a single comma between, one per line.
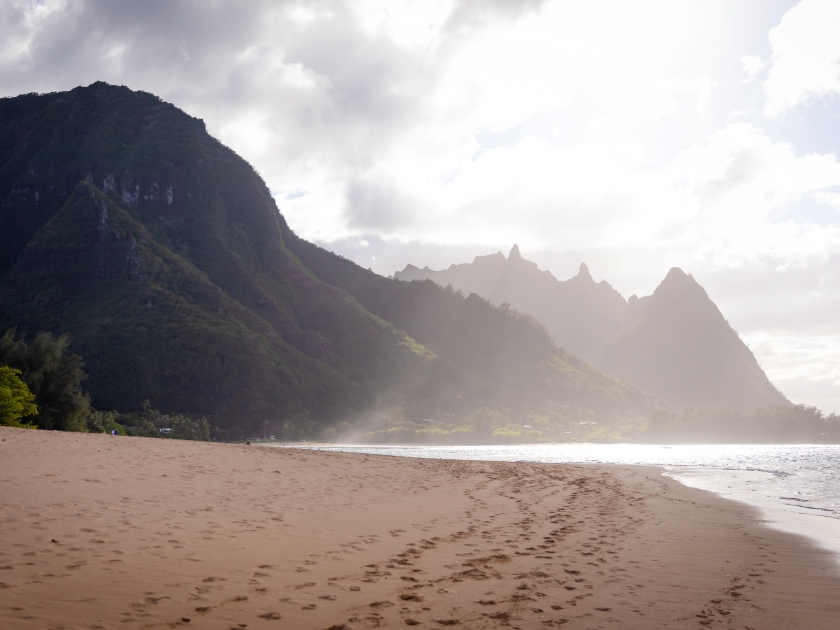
(797,487)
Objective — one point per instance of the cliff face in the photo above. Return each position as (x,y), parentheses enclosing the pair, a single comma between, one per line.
(674,343)
(165,257)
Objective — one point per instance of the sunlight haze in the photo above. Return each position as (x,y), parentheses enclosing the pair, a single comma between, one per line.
(634,137)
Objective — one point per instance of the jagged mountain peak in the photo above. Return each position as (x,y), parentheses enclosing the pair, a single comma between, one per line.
(679,295)
(677,344)
(668,342)
(496,260)
(578,312)
(676,278)
(583,273)
(676,273)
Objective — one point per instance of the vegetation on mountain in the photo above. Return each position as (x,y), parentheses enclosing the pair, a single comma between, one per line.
(16,401)
(149,423)
(163,254)
(158,261)
(774,424)
(563,423)
(486,354)
(675,343)
(52,374)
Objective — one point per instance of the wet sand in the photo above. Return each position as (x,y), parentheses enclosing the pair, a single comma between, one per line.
(112,532)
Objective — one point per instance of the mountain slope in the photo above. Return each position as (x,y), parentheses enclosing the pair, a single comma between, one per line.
(674,343)
(150,324)
(511,354)
(165,257)
(684,350)
(209,210)
(580,313)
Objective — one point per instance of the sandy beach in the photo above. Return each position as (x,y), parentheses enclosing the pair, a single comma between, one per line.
(106,532)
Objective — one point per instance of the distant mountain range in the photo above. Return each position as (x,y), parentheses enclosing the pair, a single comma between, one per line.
(163,254)
(674,343)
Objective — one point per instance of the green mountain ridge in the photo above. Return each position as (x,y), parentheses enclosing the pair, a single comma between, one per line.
(165,257)
(141,316)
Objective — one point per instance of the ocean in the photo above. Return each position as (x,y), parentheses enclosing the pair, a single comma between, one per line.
(796,487)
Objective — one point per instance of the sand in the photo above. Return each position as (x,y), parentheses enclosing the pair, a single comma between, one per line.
(112,532)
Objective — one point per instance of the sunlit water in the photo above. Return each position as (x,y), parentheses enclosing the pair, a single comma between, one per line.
(796,486)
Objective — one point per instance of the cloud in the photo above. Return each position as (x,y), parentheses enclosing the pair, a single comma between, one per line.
(806,367)
(704,85)
(805,65)
(438,130)
(752,66)
(469,16)
(378,205)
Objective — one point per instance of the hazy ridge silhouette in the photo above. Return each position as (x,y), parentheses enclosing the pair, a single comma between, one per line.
(674,343)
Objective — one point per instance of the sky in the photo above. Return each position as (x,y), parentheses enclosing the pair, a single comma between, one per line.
(633,136)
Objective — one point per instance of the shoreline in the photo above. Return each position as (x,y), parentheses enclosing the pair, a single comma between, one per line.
(823,529)
(165,533)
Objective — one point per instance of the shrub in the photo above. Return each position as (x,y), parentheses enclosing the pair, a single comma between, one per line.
(16,401)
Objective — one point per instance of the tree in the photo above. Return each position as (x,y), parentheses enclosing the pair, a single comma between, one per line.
(104,422)
(150,421)
(16,401)
(53,375)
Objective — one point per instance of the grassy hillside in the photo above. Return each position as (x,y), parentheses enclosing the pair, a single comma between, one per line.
(162,253)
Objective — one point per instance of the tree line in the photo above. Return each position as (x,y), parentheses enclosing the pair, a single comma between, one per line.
(774,424)
(41,388)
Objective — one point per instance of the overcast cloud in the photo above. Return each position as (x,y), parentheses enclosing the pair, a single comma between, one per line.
(634,136)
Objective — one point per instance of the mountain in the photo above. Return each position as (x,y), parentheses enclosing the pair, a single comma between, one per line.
(580,313)
(675,343)
(683,349)
(163,254)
